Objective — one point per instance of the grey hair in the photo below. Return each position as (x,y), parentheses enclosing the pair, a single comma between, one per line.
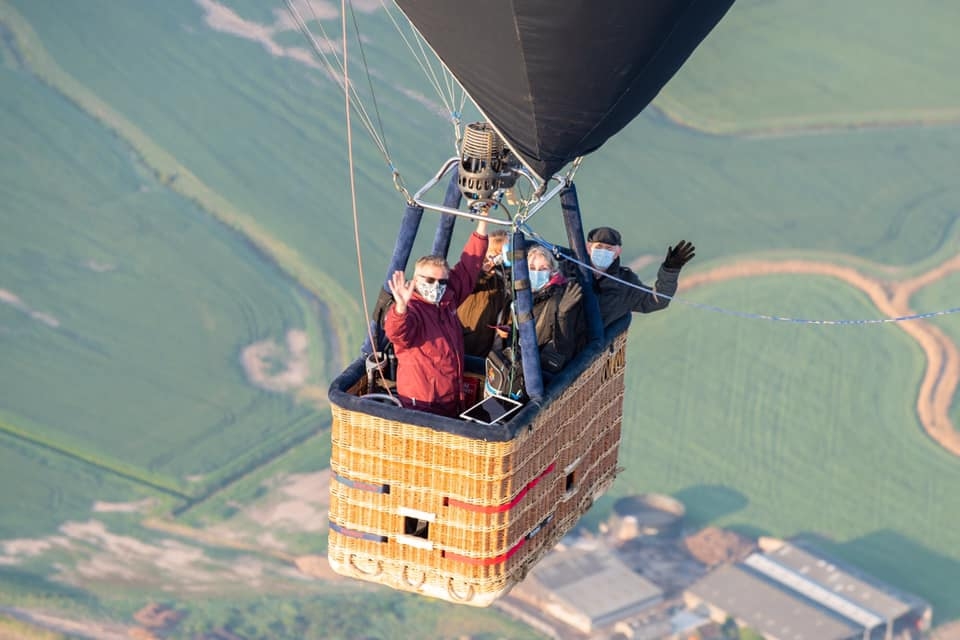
(537,250)
(435,260)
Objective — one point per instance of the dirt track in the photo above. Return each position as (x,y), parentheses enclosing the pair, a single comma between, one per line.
(892,298)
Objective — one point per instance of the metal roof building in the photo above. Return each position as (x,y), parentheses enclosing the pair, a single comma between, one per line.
(792,593)
(587,589)
(843,586)
(735,591)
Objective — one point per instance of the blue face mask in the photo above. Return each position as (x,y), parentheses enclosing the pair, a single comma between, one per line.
(505,255)
(602,258)
(539,279)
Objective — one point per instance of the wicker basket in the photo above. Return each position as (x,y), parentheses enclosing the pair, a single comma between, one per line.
(461,511)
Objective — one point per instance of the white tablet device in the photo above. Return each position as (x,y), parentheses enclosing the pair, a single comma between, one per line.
(492,410)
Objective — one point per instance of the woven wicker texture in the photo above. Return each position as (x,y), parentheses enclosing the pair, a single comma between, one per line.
(463,519)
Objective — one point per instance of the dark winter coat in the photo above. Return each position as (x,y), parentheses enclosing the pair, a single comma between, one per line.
(617,300)
(560,322)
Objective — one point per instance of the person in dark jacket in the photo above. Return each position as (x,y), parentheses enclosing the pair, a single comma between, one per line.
(557,311)
(485,308)
(616,299)
(425,331)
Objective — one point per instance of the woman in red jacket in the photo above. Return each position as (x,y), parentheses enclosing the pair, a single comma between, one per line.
(425,331)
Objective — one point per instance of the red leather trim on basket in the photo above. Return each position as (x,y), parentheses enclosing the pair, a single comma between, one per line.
(479,508)
(503,557)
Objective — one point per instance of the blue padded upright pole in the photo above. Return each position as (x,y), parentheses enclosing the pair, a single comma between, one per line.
(574,224)
(523,299)
(405,238)
(409,226)
(441,241)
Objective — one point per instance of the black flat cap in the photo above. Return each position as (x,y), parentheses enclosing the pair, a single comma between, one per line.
(606,235)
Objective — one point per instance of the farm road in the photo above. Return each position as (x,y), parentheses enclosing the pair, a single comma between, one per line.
(892,298)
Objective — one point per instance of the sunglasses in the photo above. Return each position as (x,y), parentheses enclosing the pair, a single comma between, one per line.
(431,279)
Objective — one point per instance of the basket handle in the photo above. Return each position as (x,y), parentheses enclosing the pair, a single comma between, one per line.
(456,596)
(376,572)
(382,397)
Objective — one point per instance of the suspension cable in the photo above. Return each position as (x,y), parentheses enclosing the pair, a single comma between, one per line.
(573,168)
(555,249)
(366,67)
(448,97)
(353,198)
(336,72)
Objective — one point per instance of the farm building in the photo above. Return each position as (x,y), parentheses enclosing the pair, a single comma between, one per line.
(788,592)
(587,589)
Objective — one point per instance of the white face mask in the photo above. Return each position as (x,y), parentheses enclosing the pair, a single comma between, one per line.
(539,279)
(431,292)
(602,258)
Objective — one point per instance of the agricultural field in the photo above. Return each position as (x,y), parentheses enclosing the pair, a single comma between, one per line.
(333,615)
(885,195)
(280,154)
(280,506)
(943,295)
(179,283)
(752,423)
(774,68)
(115,289)
(54,489)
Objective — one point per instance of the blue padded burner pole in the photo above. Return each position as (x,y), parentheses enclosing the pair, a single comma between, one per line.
(574,224)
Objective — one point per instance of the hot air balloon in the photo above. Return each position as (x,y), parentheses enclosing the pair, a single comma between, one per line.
(461,508)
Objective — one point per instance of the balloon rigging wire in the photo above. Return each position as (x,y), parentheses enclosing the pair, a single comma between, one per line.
(422,58)
(732,312)
(353,195)
(336,75)
(366,69)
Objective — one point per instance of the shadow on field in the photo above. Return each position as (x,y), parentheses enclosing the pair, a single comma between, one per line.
(749,531)
(706,503)
(599,512)
(903,564)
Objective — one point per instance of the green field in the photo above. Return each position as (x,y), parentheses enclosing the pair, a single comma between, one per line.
(334,616)
(783,429)
(173,193)
(280,154)
(772,66)
(258,490)
(53,489)
(943,295)
(887,196)
(131,307)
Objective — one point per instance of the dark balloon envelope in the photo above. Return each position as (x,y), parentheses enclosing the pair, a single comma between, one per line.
(557,78)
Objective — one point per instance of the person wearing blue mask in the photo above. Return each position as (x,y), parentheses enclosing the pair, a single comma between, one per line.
(617,299)
(557,310)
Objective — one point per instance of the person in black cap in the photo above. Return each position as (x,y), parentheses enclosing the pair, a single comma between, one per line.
(616,299)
